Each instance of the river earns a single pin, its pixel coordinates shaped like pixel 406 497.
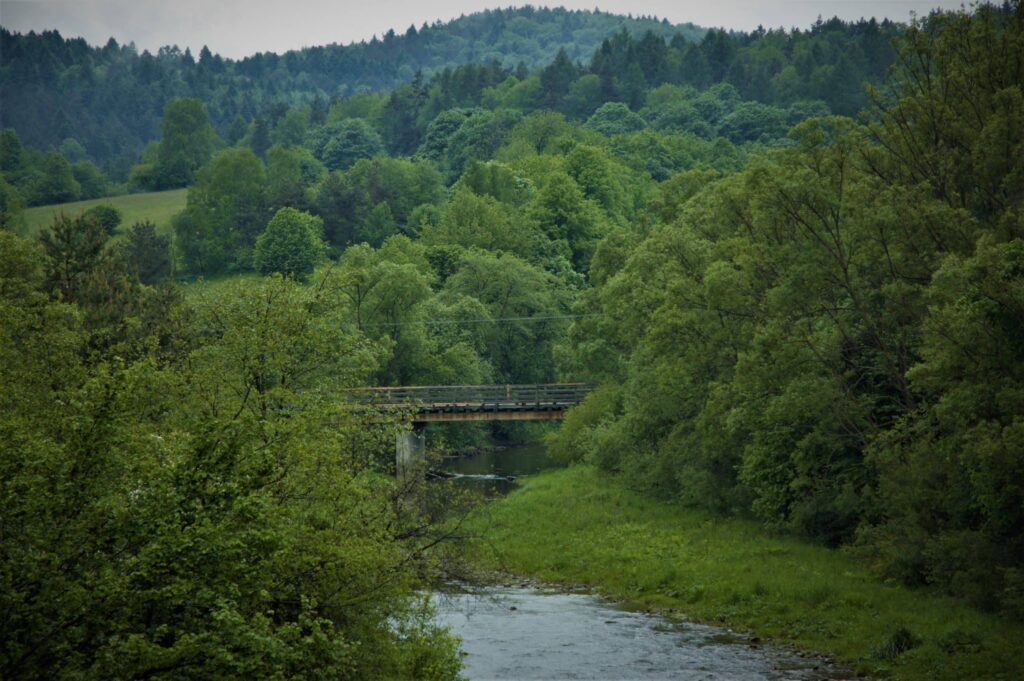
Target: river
pixel 495 471
pixel 511 632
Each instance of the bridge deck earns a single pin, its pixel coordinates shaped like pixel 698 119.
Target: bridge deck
pixel 431 404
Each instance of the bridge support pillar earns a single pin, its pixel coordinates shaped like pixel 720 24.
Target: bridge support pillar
pixel 410 451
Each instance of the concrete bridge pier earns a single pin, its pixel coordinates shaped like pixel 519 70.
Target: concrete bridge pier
pixel 410 451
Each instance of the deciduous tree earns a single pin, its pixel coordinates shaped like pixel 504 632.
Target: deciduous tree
pixel 292 244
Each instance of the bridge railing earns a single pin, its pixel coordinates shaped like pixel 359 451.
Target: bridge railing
pixel 523 394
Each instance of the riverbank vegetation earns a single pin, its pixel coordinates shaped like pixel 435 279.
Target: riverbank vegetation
pixel 830 339
pixel 581 527
pixel 795 317
pixel 185 493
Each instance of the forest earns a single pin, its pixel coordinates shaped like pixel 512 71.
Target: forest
pixel 104 104
pixel 792 261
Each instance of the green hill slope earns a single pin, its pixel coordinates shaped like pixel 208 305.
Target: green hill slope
pixel 157 207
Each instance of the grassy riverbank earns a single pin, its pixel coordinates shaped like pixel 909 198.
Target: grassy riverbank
pixel 578 526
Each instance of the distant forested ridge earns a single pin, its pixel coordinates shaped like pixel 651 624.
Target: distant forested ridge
pixel 110 99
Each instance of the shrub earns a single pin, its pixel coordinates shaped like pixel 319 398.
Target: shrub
pixel 292 244
pixel 108 217
pixel 898 642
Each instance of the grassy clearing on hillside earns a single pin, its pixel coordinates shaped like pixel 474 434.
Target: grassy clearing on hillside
pixel 578 526
pixel 157 207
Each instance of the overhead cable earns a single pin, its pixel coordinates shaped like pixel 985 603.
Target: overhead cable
pixel 441 322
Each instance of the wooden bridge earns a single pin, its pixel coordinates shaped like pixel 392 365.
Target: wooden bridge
pixel 447 403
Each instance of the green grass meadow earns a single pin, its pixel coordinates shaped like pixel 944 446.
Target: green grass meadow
pixel 578 526
pixel 157 207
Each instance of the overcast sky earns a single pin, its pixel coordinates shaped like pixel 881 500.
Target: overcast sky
pixel 236 28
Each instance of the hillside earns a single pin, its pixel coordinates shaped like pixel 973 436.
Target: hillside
pixel 157 207
pixel 744 87
pixel 111 98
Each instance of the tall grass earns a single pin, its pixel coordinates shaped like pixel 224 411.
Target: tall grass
pixel 578 526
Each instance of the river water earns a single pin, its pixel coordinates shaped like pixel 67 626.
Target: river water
pixel 495 471
pixel 524 633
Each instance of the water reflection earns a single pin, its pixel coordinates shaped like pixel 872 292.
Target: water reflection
pixel 494 471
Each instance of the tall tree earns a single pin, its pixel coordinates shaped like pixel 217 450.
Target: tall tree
pixel 148 253
pixel 74 247
pixel 56 183
pixel 187 142
pixel 226 212
pixel 556 79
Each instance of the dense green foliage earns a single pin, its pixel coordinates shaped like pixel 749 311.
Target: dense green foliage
pixel 291 245
pixel 793 316
pixel 177 500
pixel 108 216
pixel 108 100
pixel 148 253
pixel 830 339
pixel 227 210
pixel 32 178
pixel 766 81
pixel 187 142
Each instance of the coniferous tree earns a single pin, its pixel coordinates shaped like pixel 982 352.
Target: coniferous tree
pixel 187 142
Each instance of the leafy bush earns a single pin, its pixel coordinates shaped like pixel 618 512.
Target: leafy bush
pixel 108 217
pixel 208 515
pixel 291 245
pixel 574 440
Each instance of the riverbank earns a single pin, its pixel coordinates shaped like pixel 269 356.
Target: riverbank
pixel 576 526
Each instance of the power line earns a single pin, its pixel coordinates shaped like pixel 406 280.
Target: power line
pixel 441 322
